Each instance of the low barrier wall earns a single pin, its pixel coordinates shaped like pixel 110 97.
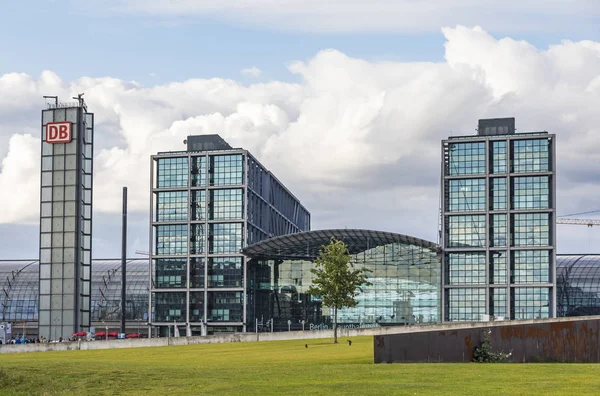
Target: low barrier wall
pixel 555 340
pixel 343 334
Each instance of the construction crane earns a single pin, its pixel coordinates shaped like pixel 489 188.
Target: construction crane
pixel 587 222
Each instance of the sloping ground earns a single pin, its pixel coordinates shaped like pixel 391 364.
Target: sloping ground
pixel 277 368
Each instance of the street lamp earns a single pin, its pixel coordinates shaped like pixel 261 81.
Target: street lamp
pixel 105 330
pixel 56 322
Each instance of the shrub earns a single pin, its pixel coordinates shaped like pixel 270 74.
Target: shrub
pixel 484 352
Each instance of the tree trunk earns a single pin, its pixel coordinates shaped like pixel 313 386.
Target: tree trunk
pixel 335 325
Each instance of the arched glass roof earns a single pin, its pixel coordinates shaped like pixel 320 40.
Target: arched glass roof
pixel 306 245
pixel 19 288
pixel 578 285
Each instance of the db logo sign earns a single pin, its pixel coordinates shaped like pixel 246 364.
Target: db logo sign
pixel 58 132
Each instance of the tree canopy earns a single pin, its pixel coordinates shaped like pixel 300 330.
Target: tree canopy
pixel 337 283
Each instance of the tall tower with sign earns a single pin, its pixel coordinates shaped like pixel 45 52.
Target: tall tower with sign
pixel 67 133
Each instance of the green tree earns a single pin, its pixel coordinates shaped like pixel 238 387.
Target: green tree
pixel 336 281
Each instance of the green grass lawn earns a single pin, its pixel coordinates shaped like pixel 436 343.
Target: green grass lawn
pixel 278 368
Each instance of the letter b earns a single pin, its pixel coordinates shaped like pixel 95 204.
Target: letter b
pixel 63 132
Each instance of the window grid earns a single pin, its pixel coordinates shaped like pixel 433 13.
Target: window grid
pixel 171 239
pixel 466 231
pixel 466 195
pixel 225 238
pixel 531 229
pixel 498 267
pixel 499 157
pixel 465 304
pixel 530 155
pixel 172 206
pixel 226 170
pixel 530 302
pixel 226 204
pixel 196 306
pixel 197 272
pixel 530 266
pixel 498 230
pixel 531 192
pixel 225 306
pixel 170 273
pixel 197 238
pixel 198 205
pixel 465 268
pixel 172 172
pixel 225 272
pixel 498 298
pixel 198 172
pixel 169 307
pixel 499 193
pixel 466 158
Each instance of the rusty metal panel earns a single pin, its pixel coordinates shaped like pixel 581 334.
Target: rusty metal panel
pixel 573 341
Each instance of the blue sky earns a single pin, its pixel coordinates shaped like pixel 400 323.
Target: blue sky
pixel 156 48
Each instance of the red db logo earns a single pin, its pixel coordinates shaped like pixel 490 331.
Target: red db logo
pixel 58 132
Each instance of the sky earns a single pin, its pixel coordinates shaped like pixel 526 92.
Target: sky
pixel 345 101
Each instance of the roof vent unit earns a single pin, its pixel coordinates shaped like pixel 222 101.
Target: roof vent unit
pixel 496 126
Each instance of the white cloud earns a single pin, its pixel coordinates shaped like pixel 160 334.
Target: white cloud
pixel 381 15
pixel 252 72
pixel 358 142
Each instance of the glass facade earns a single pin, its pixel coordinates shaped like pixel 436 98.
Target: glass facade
pixel 226 204
pixel 466 195
pixel 172 172
pixel 227 170
pixel 172 206
pixel 498 267
pixel 466 231
pixel 509 178
pixel 19 284
pixel 201 220
pixel 498 230
pixel 225 238
pixel 530 155
pixel 225 272
pixel 170 273
pixel 498 299
pixel 498 192
pixel 530 266
pixel 465 304
pixel 499 157
pixel 171 240
pixel 531 192
pixel 578 291
pixel 531 229
pixel 530 302
pixel 405 279
pixel 465 268
pixel 466 158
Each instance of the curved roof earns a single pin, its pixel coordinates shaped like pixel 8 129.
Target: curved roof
pixel 578 266
pixel 306 245
pixel 19 288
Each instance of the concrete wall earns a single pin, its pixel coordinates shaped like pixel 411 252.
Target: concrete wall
pixel 550 340
pixel 215 339
pixel 383 335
